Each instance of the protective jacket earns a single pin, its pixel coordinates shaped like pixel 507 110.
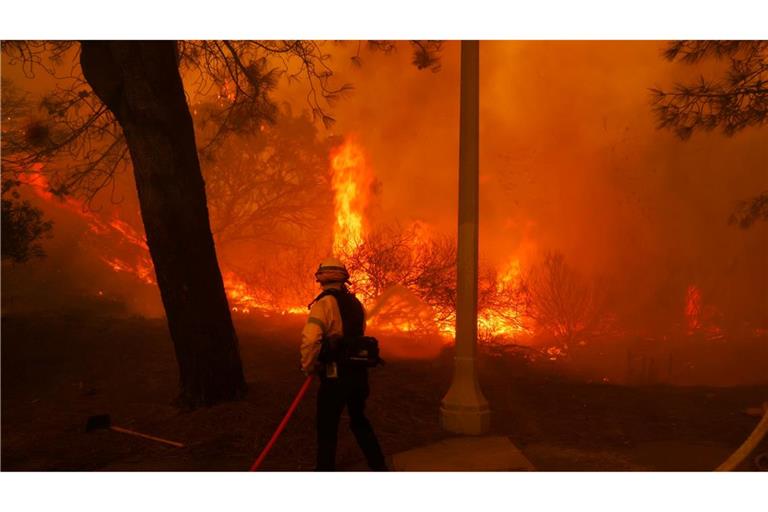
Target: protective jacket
pixel 324 322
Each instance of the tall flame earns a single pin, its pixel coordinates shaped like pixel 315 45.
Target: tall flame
pixel 350 180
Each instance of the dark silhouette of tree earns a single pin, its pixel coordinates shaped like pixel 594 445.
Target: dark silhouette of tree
pixel 564 302
pixel 23 226
pixel 426 54
pixel 751 210
pixel 732 102
pixel 139 83
pixel 735 101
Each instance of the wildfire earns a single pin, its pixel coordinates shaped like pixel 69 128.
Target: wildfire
pixel 351 181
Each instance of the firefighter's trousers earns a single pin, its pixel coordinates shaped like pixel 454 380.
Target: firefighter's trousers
pixel 350 390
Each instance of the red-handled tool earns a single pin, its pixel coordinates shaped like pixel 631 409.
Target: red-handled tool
pixel 303 391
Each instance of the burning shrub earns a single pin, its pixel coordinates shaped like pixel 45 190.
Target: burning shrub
pixel 410 258
pixel 503 301
pixel 409 265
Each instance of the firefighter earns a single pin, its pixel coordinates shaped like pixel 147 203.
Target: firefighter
pixel 336 312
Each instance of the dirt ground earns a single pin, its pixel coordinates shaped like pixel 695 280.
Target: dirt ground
pixel 57 370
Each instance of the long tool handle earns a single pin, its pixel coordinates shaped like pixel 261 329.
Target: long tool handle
pixel 146 436
pixel 283 423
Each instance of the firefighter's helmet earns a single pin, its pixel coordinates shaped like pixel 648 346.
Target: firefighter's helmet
pixel 331 270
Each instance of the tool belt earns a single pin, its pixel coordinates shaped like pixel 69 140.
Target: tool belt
pixel 350 351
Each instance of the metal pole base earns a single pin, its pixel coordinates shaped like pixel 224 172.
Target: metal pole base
pixel 464 409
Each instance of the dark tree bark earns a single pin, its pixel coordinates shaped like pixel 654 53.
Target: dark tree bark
pixel 140 83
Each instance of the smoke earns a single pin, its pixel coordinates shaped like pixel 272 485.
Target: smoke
pixel 571 161
pixel 76 276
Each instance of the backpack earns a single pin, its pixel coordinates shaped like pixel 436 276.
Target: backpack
pixel 353 348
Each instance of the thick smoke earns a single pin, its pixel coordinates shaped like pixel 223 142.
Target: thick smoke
pixel 571 161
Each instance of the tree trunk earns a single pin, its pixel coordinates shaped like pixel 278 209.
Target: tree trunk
pixel 140 83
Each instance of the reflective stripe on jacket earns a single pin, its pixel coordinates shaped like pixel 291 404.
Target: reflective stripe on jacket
pixel 324 320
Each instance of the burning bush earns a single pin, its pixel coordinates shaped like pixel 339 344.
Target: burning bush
pixel 503 302
pixel 410 264
pixel 393 255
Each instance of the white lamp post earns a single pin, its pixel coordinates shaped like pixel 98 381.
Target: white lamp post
pixel 464 409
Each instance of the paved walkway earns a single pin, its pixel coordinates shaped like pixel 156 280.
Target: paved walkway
pixel 496 453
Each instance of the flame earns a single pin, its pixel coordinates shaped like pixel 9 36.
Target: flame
pixel 554 352
pixel 693 308
pixel 227 92
pixel 504 322
pixel 39 184
pixel 349 177
pixel 143 269
pixel 244 298
pixel 511 275
pixel 700 317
